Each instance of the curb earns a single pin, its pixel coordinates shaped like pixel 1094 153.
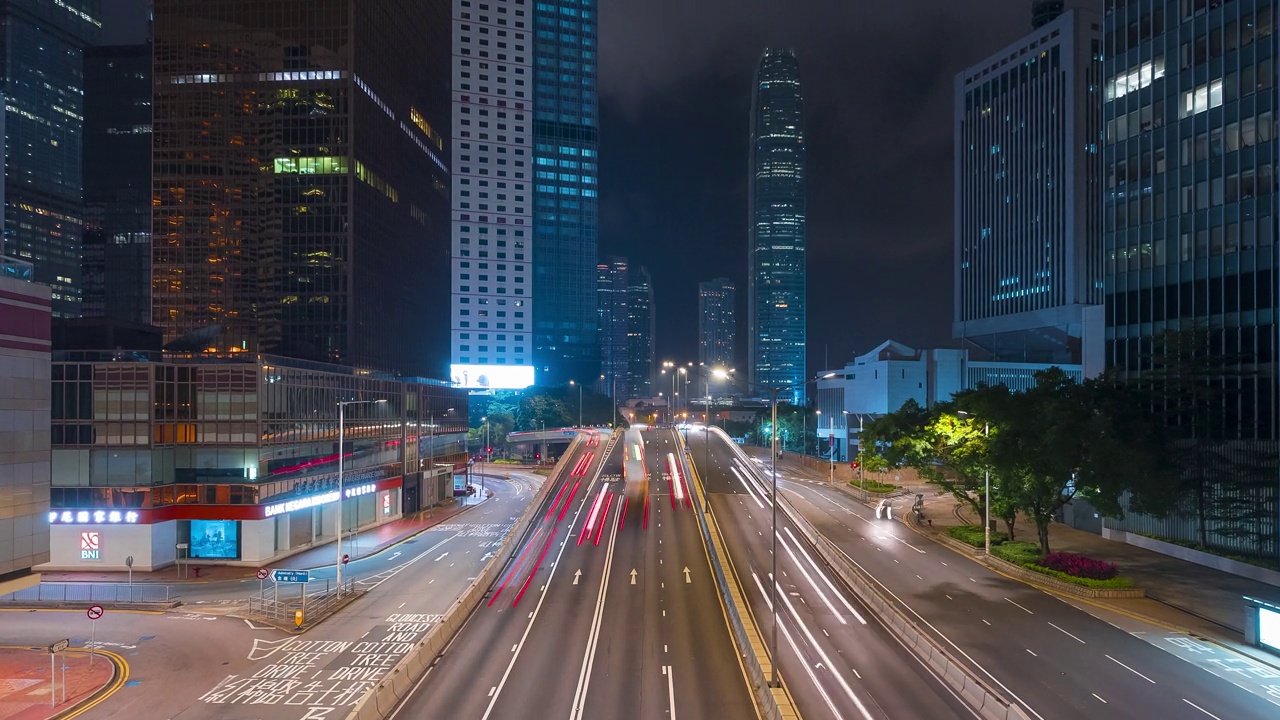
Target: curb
pixel 385 548
pixel 119 675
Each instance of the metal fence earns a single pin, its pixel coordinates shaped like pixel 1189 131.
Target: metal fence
pixel 279 602
pixel 93 592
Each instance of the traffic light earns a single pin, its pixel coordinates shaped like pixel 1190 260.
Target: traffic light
pixel 854 465
pixel 490 450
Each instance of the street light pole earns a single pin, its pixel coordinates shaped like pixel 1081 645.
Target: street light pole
pixel 986 525
pixel 342 417
pixel 773 586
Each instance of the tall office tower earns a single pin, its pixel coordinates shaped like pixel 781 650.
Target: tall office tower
pixel 1028 261
pixel 42 79
pixel 776 251
pixel 640 320
pixel 116 265
pixel 301 180
pixel 566 218
pixel 612 289
pixel 493 239
pixel 1190 238
pixel 717 322
pixel 1044 12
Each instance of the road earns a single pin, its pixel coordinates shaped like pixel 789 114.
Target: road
pixel 837 659
pixel 203 665
pixel 608 611
pixel 1055 659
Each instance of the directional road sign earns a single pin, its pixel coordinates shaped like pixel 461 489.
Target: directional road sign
pixel 291 576
pixel 59 646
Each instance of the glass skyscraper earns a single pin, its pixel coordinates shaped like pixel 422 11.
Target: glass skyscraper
pixel 1190 111
pixel 640 325
pixel 301 181
pixel 42 80
pixel 717 322
pixel 776 250
pixel 612 287
pixel 566 214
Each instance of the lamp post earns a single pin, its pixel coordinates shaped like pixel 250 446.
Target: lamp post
pixel 342 419
pixel 571 382
pixel 484 459
pixel 986 497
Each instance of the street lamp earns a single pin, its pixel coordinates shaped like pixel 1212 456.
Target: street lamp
pixel 342 419
pixel 484 459
pixel 986 497
pixel 571 382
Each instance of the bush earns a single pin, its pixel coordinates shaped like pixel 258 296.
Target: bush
pixel 1115 583
pixel 973 535
pixel 874 486
pixel 1081 566
pixel 1020 553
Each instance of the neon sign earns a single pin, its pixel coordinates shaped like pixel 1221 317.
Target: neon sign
pixel 301 503
pixel 114 517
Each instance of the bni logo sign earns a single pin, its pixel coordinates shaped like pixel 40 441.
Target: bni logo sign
pixel 89 545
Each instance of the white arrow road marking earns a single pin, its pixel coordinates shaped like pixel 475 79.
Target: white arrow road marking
pixel 686 576
pixel 633 576
pixel 576 576
pixel 441 557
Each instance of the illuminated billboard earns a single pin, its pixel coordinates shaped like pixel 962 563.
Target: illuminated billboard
pixel 1269 628
pixel 215 539
pixel 492 377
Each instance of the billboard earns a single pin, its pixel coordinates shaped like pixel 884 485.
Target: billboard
pixel 215 539
pixel 1269 628
pixel 492 377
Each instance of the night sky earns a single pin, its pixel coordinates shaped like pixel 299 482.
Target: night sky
pixel 877 77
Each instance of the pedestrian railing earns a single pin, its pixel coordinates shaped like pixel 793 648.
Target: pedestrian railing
pixel 317 599
pixel 68 592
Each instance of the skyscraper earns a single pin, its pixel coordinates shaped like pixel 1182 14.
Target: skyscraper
pixel 640 323
pixel 612 287
pixel 717 322
pixel 301 181
pixel 42 80
pixel 524 207
pixel 1190 207
pixel 1028 258
pixel 117 183
pixel 566 215
pixel 776 250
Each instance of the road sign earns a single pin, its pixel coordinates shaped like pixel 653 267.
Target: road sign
pixel 128 562
pixel 345 558
pixel 59 646
pixel 291 576
pixel 831 439
pixel 94 612
pixel 263 573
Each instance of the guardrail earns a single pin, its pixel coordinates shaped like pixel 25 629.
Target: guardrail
pixel 54 592
pixel 315 605
pixel 772 703
pixel 380 702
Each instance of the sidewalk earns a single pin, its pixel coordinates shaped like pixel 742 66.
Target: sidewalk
pixel 24 682
pixel 1191 598
pixel 365 543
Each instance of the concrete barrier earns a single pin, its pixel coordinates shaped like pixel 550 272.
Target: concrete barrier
pixel 380 702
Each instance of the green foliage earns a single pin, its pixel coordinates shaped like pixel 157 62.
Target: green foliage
pixel 1119 582
pixel 874 486
pixel 973 535
pixel 1260 562
pixel 1018 552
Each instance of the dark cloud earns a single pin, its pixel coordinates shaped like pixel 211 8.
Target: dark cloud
pixel 878 80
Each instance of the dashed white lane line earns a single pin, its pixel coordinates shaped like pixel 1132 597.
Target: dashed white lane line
pixel 1206 712
pixel 1020 607
pixel 1135 672
pixel 1032 653
pixel 1104 702
pixel 1064 632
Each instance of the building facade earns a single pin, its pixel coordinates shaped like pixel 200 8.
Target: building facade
pixel 566 203
pixel 612 283
pixel 310 220
pixel 236 457
pixel 116 265
pixel 1028 258
pixel 525 212
pixel 42 79
pixel 776 248
pixel 1190 236
pixel 717 322
pixel 881 381
pixel 640 326
pixel 25 313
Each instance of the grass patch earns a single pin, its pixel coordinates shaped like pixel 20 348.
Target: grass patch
pixel 501 461
pixel 545 472
pixel 1018 552
pixel 973 535
pixel 1027 555
pixel 874 486
pixel 1260 562
pixel 1118 582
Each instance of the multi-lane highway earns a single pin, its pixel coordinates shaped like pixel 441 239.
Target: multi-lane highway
pixel 837 659
pixel 608 610
pixel 1054 659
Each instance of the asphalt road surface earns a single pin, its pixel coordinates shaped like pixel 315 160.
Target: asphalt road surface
pixel 1055 659
pixel 609 611
pixel 837 659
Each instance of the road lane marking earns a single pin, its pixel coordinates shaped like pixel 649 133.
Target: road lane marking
pixel 1135 672
pixel 796 649
pixel 1021 608
pixel 822 575
pixel 1032 653
pixel 492 690
pixel 593 637
pixel 1206 712
pixel 671 691
pixel 1104 702
pixel 1073 637
pixel 986 622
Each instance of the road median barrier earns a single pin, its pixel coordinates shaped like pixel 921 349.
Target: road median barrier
pixel 382 701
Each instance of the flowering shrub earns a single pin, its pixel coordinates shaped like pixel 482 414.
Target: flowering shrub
pixel 1079 566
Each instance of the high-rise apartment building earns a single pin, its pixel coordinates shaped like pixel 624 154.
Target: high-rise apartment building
pixel 1028 261
pixel 524 204
pixel 116 265
pixel 640 325
pixel 776 248
pixel 717 322
pixel 301 179
pixel 612 285
pixel 42 79
pixel 1190 111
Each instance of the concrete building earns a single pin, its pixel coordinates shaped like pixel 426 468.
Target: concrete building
pixel 717 323
pixel 1028 257
pixel 881 381
pixel 613 279
pixel 25 312
pixel 640 334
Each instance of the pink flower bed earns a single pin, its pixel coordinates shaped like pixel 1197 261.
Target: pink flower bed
pixel 1080 566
